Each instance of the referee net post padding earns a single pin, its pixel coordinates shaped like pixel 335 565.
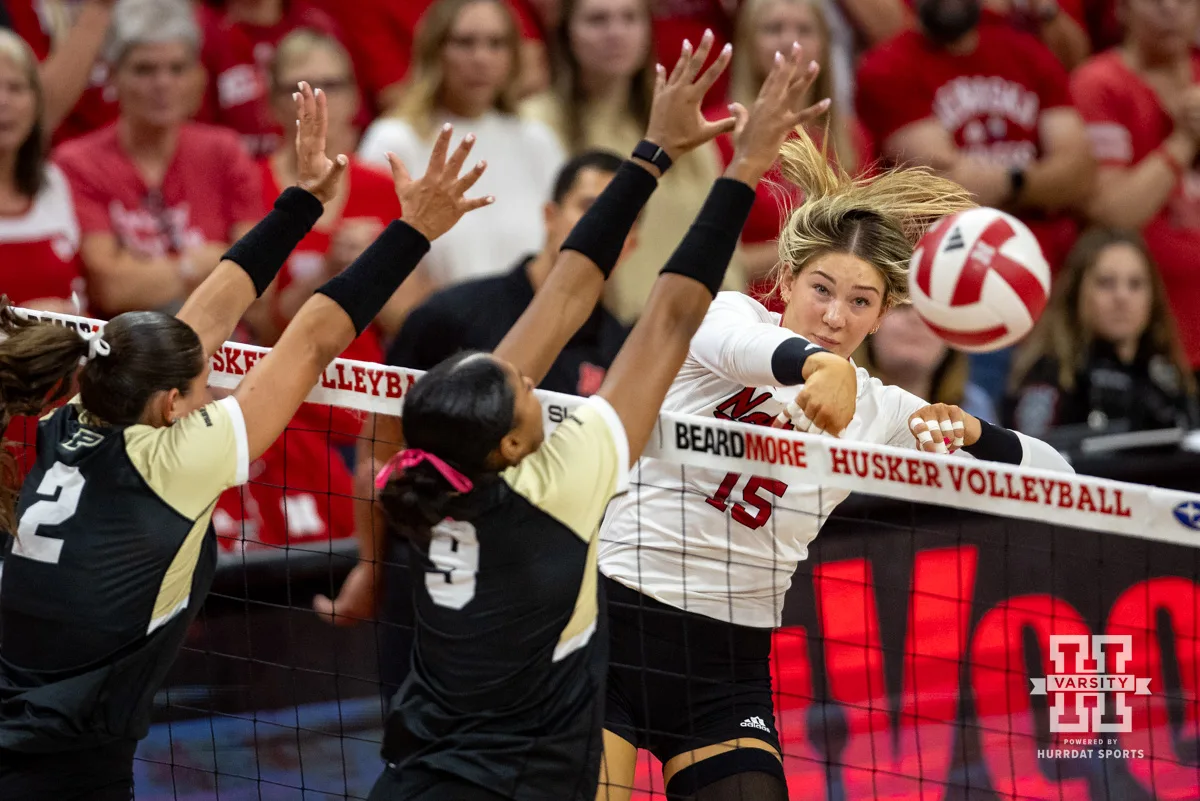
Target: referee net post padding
pixel 959 629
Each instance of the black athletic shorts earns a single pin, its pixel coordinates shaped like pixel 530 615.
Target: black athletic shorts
pixel 678 681
pixel 97 774
pixel 415 784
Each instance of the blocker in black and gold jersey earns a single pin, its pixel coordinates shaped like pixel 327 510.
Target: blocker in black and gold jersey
pixel 509 663
pixel 113 558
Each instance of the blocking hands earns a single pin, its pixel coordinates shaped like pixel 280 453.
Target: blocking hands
pixel 677 124
pixel 435 202
pixel 942 428
pixel 779 108
pixel 316 172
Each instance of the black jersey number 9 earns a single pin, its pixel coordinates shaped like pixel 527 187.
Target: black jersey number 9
pixel 63 484
pixel 454 551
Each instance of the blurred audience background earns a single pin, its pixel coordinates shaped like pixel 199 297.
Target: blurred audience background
pixel 138 138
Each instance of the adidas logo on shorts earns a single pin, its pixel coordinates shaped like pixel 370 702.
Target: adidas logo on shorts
pixel 756 723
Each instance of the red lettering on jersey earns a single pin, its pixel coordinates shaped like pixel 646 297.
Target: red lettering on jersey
pixel 740 407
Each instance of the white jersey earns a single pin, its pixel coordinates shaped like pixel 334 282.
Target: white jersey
pixel 722 544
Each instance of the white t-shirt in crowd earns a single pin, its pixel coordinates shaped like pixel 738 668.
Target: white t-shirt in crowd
pixel 523 158
pixel 723 545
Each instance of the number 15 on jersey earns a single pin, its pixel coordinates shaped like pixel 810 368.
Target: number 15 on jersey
pixel 752 498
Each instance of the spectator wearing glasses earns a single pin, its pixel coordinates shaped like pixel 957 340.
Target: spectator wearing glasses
pixel 158 198
pixel 465 72
pixel 239 43
pixel 1105 352
pixel 1141 102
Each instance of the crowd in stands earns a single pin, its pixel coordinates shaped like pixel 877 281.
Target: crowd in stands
pixel 139 138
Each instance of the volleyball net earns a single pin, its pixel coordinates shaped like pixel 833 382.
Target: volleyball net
pixel 960 629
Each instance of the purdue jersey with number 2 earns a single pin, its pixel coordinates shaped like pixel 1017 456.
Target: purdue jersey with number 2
pixel 112 559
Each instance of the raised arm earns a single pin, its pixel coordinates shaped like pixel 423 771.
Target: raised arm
pixel 345 305
pixel 642 373
pixel 249 267
pixel 570 293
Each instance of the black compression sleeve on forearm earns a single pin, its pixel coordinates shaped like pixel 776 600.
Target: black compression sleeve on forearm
pixel 600 234
pixel 996 444
pixel 708 246
pixel 363 288
pixel 266 246
pixel 787 362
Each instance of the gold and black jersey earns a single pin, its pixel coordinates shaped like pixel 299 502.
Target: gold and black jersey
pixel 510 653
pixel 112 559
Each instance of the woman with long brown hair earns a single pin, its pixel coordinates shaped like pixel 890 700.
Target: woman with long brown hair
pixel 465 72
pixel 600 99
pixel 1106 350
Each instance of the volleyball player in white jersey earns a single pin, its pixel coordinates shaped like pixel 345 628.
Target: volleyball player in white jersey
pixel 698 562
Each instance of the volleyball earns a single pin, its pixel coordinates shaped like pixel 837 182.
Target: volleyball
pixel 979 279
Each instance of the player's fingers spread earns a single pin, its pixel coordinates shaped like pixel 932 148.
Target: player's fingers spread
pixel 463 184
pixel 459 158
pixel 470 204
pixel 400 175
pixel 812 112
pixel 441 145
pixel 685 55
pixel 701 55
pixel 715 69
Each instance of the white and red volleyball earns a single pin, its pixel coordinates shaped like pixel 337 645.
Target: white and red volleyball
pixel 979 279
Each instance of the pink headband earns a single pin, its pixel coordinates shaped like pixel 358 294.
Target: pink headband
pixel 413 457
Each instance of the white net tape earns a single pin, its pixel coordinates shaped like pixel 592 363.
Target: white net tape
pixel 954 481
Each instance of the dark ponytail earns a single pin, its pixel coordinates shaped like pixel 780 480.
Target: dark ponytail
pixel 459 411
pixel 37 364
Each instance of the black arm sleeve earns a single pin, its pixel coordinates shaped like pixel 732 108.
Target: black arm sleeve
pixel 265 247
pixel 787 362
pixel 997 444
pixel 365 286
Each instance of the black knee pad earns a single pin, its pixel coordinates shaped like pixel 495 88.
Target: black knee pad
pixel 742 774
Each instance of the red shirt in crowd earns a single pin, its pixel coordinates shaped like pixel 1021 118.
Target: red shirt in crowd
pixel 370 195
pixel 1126 123
pixel 39 259
pixel 676 20
pixel 299 490
pixel 990 100
pixel 237 57
pixel 98 105
pixel 210 186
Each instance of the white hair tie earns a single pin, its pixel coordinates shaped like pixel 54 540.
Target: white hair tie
pixel 97 346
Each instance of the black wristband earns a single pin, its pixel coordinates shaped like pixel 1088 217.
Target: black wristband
pixel 600 233
pixel 648 151
pixel 787 362
pixel 363 288
pixel 265 247
pixel 708 246
pixel 996 444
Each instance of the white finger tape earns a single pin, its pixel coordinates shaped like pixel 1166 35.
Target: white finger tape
pixel 947 426
pixel 916 423
pixel 932 424
pixel 959 425
pixel 924 437
pixel 802 422
pixel 958 442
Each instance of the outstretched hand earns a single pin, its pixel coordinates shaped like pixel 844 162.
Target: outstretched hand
pixel 777 111
pixel 433 203
pixel 676 122
pixel 316 172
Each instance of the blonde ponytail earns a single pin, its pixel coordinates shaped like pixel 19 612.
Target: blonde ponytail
pixel 878 218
